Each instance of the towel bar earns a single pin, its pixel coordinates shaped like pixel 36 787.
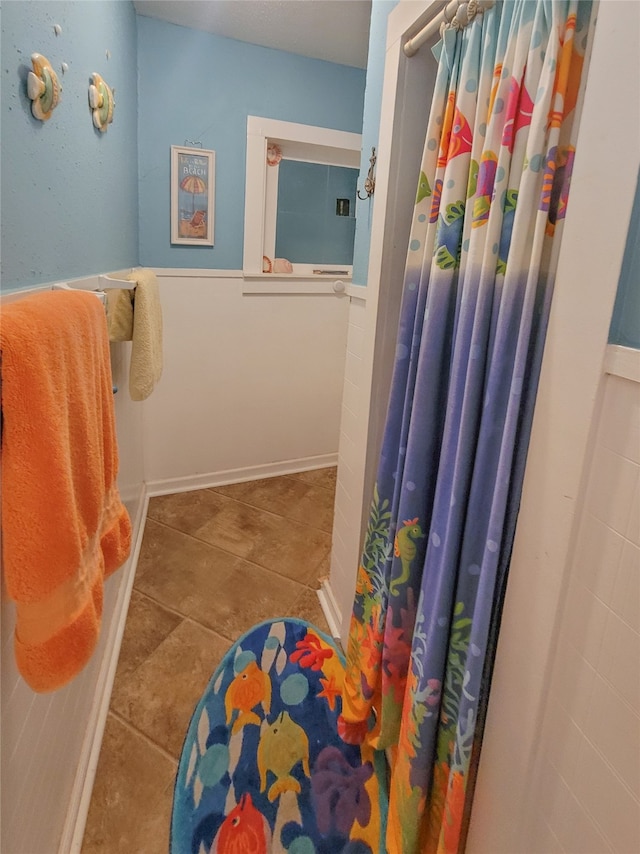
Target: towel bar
pixel 112 282
pixel 63 286
pixel 100 282
pixel 96 285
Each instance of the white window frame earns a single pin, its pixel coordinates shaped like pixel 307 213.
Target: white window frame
pixel 298 142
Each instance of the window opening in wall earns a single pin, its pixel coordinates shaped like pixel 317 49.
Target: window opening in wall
pixel 300 204
pixel 313 225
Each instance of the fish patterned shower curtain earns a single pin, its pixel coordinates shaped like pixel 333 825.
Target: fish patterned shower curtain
pixel 491 196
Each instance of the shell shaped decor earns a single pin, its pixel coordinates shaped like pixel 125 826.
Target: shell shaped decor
pixel 274 154
pixel 101 101
pixel 42 87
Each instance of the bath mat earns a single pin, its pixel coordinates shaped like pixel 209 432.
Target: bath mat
pixel 263 769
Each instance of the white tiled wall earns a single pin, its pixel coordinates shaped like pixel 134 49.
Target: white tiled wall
pixel 588 789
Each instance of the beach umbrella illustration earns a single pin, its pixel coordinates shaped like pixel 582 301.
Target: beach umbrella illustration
pixel 194 185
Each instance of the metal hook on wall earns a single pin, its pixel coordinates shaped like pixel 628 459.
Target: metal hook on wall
pixel 370 181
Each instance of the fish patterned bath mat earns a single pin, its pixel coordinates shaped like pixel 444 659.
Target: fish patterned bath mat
pixel 263 768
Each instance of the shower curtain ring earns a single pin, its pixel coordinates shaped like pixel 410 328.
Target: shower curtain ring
pixel 448 21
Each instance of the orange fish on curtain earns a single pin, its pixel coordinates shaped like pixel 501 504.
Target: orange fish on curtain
pixel 457 136
pixel 557 182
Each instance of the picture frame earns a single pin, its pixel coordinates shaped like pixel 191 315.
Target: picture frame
pixel 192 195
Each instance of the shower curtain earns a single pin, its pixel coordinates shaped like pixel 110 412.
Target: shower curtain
pixel 491 195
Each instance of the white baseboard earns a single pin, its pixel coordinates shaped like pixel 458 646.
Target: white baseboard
pixel 330 608
pixel 221 478
pixel 73 831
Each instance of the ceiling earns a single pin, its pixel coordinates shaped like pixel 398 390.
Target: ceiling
pixel 333 30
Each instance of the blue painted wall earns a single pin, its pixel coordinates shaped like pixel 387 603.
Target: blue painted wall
pixel 625 323
pixel 370 128
pixel 198 86
pixel 69 193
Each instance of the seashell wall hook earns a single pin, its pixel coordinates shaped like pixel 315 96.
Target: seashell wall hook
pixel 274 154
pixel 101 102
pixel 42 87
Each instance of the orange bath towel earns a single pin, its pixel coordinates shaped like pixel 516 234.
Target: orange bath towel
pixel 64 528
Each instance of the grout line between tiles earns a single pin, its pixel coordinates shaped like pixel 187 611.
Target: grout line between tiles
pixel 191 619
pixel 207 629
pixel 187 618
pixel 144 737
pixel 183 618
pixel 238 557
pixel 165 607
pixel 254 507
pixel 128 674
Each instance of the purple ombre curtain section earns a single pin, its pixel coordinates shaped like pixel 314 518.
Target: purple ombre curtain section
pixel 477 289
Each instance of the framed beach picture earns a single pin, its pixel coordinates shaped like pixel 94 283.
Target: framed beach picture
pixel 192 195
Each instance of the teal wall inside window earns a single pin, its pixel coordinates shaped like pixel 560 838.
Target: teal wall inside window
pixel 308 229
pixel 625 323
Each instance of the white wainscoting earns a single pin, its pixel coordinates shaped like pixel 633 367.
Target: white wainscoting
pixel 252 387
pixel 50 742
pixel 252 383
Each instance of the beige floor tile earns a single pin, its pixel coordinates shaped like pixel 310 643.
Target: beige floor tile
pixel 159 697
pixel 170 550
pixel 321 572
pixel 250 595
pixel 271 541
pixel 148 624
pixel 287 496
pixel 212 587
pixel 185 511
pixel 182 573
pixel 130 808
pixel 307 607
pixel 326 477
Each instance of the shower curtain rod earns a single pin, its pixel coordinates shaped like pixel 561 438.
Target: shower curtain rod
pixel 457 14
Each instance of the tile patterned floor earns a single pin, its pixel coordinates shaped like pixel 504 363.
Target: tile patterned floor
pixel 213 563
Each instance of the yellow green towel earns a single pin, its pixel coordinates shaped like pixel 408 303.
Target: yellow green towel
pixel 136 316
pixel 120 314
